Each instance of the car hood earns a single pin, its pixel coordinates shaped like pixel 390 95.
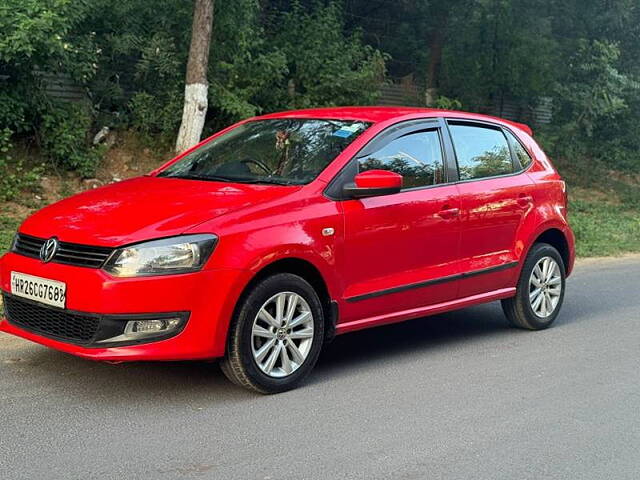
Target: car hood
pixel 144 208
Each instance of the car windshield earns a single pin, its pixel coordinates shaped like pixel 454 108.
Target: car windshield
pixel 281 151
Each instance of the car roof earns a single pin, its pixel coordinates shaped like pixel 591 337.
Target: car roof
pixel 381 114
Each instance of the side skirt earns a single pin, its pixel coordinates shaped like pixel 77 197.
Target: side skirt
pixel 424 311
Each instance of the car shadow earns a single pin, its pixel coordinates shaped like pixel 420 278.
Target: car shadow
pixel 382 344
pixel 198 381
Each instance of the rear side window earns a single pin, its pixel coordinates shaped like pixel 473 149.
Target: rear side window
pixel 521 153
pixel 481 151
pixel 416 156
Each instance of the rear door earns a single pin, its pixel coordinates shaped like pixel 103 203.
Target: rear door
pixel 495 197
pixel 400 249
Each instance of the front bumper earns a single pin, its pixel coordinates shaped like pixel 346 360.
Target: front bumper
pixel 209 296
pixel 85 329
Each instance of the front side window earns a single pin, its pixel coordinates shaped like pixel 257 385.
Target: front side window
pixel 481 151
pixel 416 156
pixel 279 151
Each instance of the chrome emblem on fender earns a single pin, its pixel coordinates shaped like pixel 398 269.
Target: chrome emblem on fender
pixel 49 249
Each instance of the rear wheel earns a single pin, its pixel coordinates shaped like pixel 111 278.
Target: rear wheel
pixel 275 336
pixel 540 290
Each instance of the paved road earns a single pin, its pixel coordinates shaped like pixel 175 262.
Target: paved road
pixel 457 396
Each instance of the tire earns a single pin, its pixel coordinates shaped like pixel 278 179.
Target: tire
pixel 251 360
pixel 525 309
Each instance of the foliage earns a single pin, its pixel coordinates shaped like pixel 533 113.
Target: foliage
pixel 269 55
pixel 446 103
pixel 593 89
pixel 245 68
pixel 41 33
pixel 141 53
pixel 326 66
pixel 149 114
pixel 495 53
pixel 14 177
pixel 13 108
pixel 40 36
pixel 593 101
pixel 64 138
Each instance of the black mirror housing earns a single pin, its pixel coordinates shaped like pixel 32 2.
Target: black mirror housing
pixel 350 190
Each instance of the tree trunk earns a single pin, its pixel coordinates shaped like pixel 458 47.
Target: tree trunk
pixel 436 43
pixel 196 88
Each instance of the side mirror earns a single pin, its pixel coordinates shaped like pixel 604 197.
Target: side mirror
pixel 373 183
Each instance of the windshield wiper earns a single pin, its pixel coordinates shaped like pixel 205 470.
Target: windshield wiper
pixel 270 181
pixel 209 178
pixel 216 178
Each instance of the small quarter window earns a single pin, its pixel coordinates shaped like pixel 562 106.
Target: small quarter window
pixel 481 151
pixel 416 156
pixel 521 153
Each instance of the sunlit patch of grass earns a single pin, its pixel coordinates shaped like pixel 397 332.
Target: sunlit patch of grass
pixel 604 208
pixel 602 228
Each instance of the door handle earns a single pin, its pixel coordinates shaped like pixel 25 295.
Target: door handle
pixel 525 200
pixel 448 213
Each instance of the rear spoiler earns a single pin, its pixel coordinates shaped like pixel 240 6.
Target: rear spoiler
pixel 522 126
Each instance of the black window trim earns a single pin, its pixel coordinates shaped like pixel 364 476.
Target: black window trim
pixel 435 128
pixel 518 170
pixel 333 190
pixel 515 155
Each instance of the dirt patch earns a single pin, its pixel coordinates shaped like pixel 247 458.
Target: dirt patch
pixel 591 195
pixel 632 179
pixel 14 210
pixel 127 157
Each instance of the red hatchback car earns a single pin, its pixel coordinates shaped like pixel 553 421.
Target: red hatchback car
pixel 281 231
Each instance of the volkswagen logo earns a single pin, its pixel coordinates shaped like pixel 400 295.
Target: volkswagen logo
pixel 49 249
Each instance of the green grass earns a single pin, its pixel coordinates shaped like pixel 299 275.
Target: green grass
pixel 604 208
pixel 604 229
pixel 8 228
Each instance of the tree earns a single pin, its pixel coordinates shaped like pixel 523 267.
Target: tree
pixel 196 88
pixel 325 64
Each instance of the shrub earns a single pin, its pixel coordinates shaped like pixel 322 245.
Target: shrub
pixel 14 177
pixel 446 103
pixel 153 114
pixel 64 139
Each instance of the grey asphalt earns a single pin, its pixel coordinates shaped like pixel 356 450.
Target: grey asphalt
pixel 455 396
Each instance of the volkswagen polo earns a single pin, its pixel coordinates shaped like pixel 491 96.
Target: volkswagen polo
pixel 263 242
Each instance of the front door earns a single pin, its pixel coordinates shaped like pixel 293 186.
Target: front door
pixel 399 249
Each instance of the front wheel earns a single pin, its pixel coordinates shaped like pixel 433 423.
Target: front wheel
pixel 275 336
pixel 540 290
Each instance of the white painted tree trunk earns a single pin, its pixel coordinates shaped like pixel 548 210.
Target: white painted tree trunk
pixel 195 91
pixel 193 116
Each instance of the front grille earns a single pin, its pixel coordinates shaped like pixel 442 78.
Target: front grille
pixel 49 321
pixel 68 253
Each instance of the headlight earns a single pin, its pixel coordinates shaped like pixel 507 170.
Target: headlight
pixel 183 254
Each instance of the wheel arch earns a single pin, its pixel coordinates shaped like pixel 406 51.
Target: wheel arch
pixel 558 240
pixel 309 272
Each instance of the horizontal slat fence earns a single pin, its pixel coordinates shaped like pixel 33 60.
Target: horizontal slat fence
pixel 62 87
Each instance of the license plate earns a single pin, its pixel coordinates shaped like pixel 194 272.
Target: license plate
pixel 51 292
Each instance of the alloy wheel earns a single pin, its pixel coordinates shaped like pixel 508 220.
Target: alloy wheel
pixel 545 287
pixel 282 334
